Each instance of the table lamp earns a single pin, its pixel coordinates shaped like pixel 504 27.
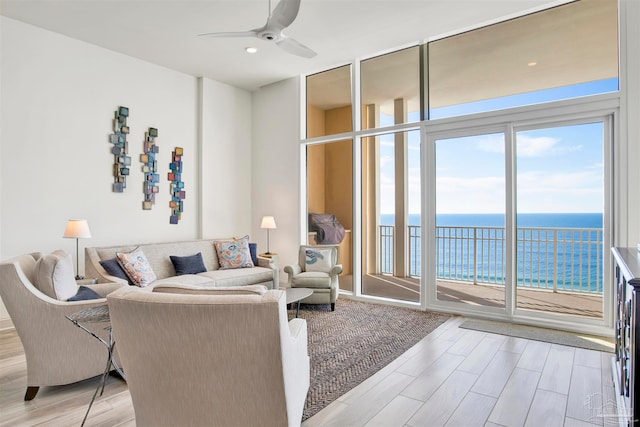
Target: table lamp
pixel 77 229
pixel 268 222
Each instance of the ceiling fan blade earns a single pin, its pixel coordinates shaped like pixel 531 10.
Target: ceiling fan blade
pixel 295 47
pixel 252 33
pixel 283 15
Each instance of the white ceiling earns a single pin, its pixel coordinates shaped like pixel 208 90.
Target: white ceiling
pixel 164 32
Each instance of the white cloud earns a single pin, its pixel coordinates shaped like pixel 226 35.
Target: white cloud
pixel 490 143
pixel 535 147
pixel 526 146
pixel 470 195
pixel 540 191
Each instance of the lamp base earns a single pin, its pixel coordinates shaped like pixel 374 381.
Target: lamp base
pixel 79 277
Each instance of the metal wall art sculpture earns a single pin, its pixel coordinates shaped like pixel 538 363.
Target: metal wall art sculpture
pixel 121 162
pixel 176 186
pixel 150 168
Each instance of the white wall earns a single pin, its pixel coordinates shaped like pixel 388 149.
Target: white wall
pixel 275 168
pixel 59 97
pixel 58 100
pixel 226 160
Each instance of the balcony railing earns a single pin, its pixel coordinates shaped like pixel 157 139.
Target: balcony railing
pixel 567 259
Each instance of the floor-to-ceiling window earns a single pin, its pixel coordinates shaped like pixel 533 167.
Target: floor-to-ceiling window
pixel 390 178
pixel 519 215
pixel 456 146
pixel 329 171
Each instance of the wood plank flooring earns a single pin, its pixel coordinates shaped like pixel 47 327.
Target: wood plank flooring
pixel 453 377
pixel 458 377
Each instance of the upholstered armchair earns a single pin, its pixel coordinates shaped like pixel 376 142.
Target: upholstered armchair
pixel 211 356
pixel 318 270
pixel 57 352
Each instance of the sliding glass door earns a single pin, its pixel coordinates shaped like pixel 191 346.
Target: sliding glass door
pixel 518 225
pixel 470 219
pixel 560 219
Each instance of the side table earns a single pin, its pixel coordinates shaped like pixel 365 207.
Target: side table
pixel 97 314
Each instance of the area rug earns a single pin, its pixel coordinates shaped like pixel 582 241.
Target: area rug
pixel 355 341
pixel 570 339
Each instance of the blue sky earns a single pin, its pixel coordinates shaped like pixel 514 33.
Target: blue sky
pixel 558 169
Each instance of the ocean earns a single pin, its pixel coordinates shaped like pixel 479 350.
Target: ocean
pixel 564 250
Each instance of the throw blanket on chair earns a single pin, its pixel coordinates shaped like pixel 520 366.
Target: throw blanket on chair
pixel 328 229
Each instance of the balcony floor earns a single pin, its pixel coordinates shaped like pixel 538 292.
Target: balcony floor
pixel 408 289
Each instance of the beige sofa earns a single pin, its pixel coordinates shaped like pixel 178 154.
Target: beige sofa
pixel 158 254
pixel 251 369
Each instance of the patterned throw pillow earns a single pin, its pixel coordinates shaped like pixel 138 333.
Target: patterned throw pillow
pixel 234 253
pixel 318 260
pixel 137 267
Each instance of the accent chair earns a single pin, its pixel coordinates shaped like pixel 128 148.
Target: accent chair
pixel 57 352
pixel 318 270
pixel 217 356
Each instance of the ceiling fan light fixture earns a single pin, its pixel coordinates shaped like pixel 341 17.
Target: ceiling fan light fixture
pixel 282 16
pixel 251 49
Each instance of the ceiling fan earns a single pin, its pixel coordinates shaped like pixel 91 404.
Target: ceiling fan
pixel 282 16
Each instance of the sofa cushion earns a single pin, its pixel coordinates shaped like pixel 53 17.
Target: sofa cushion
pixel 313 279
pixel 137 267
pixel 234 253
pixel 54 275
pixel 112 266
pixel 233 290
pixel 318 260
pixel 186 279
pixel 84 294
pixel 240 276
pixel 192 264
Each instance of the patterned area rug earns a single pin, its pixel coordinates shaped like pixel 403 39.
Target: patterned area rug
pixel 350 344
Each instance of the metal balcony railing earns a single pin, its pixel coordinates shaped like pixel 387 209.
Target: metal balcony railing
pixel 567 259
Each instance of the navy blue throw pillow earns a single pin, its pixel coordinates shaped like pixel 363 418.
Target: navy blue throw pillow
pixel 253 249
pixel 84 294
pixel 113 268
pixel 188 264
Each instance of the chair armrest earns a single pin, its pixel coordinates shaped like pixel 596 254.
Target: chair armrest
pixel 272 264
pixel 298 333
pixel 293 269
pixel 104 289
pixel 297 326
pixel 335 270
pixel 266 262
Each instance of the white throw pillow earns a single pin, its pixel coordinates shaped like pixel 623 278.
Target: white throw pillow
pixel 318 260
pixel 55 277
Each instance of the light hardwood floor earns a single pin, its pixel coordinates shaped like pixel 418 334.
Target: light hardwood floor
pixel 459 377
pixel 453 377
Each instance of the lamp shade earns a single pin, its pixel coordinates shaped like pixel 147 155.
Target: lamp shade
pixel 268 222
pixel 77 229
